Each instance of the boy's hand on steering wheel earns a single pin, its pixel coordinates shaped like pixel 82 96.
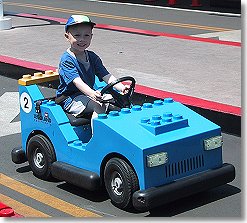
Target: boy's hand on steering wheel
pixel 96 96
pixel 125 89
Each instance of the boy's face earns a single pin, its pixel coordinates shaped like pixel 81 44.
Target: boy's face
pixel 79 37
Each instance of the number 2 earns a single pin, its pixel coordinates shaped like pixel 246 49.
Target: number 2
pixel 26 102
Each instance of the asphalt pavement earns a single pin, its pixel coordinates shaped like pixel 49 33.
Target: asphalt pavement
pixel 209 71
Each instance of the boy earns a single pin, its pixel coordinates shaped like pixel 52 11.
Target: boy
pixel 77 70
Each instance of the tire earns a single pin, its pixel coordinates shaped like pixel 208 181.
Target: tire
pixel 120 182
pixel 41 155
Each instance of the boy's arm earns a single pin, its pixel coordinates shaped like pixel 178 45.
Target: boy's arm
pixel 120 87
pixel 84 88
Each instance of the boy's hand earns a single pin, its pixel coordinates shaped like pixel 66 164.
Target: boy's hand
pixel 125 89
pixel 96 96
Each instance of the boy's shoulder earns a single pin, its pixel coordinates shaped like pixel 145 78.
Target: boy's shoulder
pixel 92 55
pixel 66 55
pixel 67 60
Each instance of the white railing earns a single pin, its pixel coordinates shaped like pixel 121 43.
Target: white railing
pixel 1 9
pixel 5 23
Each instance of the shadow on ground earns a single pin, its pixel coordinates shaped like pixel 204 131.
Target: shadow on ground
pixel 195 201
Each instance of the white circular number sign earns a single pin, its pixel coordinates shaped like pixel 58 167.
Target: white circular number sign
pixel 26 102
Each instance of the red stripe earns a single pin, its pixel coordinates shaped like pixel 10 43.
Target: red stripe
pixel 188 100
pixel 193 101
pixel 24 63
pixel 43 17
pixel 170 35
pixel 141 31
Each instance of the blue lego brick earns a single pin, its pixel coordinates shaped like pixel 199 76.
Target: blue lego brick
pixel 52 107
pixel 158 124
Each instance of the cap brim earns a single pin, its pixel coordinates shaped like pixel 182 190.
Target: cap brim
pixel 76 23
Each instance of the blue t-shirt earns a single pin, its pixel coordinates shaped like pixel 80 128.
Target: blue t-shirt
pixel 70 68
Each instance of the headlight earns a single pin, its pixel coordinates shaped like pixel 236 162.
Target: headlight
pixel 157 159
pixel 213 143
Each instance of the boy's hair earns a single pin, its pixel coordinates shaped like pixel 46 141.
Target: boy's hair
pixel 78 19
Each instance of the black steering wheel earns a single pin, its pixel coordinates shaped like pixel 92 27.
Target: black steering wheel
pixel 119 100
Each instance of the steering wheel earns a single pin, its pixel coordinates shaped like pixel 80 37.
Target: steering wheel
pixel 119 100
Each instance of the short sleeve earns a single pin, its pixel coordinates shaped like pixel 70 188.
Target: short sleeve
pixel 68 70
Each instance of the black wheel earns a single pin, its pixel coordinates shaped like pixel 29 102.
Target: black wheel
pixel 120 182
pixel 41 155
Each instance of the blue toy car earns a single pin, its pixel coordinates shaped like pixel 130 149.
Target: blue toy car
pixel 144 155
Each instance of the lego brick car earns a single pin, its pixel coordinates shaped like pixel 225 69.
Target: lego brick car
pixel 144 155
pixel 6 212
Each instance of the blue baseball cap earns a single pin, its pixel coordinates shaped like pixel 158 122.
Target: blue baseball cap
pixel 77 19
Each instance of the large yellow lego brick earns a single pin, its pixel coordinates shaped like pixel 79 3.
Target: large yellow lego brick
pixel 38 78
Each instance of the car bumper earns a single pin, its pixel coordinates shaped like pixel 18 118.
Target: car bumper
pixel 144 200
pixel 18 155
